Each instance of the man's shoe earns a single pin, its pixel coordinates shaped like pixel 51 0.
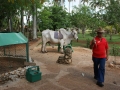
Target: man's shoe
pixel 100 84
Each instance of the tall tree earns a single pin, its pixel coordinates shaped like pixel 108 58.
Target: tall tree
pixel 35 4
pixel 34 21
pixel 44 20
pixel 8 10
pixel 112 14
pixel 82 15
pixel 59 17
pixel 97 6
pixel 70 5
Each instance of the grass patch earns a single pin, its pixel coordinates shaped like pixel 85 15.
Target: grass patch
pixel 115 42
pixel 115 38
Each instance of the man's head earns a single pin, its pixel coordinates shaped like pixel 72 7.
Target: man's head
pixel 100 32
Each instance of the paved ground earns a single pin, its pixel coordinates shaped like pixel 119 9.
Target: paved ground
pixel 76 76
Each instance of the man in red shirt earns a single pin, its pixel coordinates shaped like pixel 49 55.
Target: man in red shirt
pixel 99 48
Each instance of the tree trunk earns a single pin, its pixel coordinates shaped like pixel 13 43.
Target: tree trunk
pixel 69 6
pixel 78 30
pixel 22 21
pixel 79 2
pixel 10 24
pixel 62 3
pixel 110 36
pixel 83 32
pixel 111 32
pixel 34 22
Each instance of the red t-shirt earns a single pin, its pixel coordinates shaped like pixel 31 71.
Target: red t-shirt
pixel 99 49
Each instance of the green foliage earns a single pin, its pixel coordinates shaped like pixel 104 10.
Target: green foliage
pixel 112 12
pixel 88 43
pixel 59 17
pixel 115 50
pixel 44 19
pixel 53 17
pixel 12 8
pixel 81 16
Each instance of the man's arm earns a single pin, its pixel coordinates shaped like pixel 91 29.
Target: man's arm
pixel 107 53
pixel 92 44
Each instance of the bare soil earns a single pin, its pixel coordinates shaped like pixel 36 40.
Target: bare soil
pixel 75 76
pixel 8 64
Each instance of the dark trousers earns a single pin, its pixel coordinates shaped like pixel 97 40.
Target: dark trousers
pixel 99 68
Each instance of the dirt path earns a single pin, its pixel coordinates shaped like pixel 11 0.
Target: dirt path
pixel 76 76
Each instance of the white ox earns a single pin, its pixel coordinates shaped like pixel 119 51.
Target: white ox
pixel 48 36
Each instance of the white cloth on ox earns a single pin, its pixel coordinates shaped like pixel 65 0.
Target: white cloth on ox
pixel 58 35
